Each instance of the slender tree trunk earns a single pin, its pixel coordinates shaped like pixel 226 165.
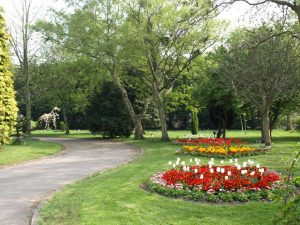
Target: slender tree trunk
pixel 224 125
pixel 161 113
pixel 135 118
pixel 27 92
pixel 289 125
pixel 242 126
pixel 67 128
pixel 266 128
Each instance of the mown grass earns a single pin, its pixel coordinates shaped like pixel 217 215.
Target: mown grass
pixel 59 133
pixel 115 197
pixel 32 149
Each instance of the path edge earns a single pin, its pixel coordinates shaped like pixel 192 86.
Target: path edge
pixel 34 215
pixel 63 151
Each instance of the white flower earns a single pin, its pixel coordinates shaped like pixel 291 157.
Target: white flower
pixel 212 159
pixel 226 177
pixel 191 160
pixel 201 176
pixel 244 164
pixel 174 165
pixel 257 165
pixel 196 170
pixel 222 170
pixel 183 163
pixel 229 173
pixel 178 159
pixel 184 168
pixel 222 161
pixel 187 168
pixel 231 161
pixel 243 172
pixel 218 169
pixel 197 163
pixel 177 163
pixel 235 160
pixel 211 170
pixel 238 167
pixel 170 163
pixel 252 173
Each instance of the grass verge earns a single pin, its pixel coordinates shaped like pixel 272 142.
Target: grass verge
pixel 34 149
pixel 115 197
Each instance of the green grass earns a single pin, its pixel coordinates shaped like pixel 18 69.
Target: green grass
pixel 115 197
pixel 34 149
pixel 58 133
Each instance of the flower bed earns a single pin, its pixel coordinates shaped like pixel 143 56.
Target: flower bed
pixel 208 141
pixel 217 147
pixel 224 183
pixel 221 151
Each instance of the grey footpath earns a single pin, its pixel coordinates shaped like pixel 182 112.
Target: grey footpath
pixel 23 187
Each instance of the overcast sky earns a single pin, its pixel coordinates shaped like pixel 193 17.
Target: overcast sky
pixel 235 14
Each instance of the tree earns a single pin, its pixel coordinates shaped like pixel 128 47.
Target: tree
pixel 8 105
pixel 22 34
pixel 290 4
pixel 95 29
pixel 262 74
pixel 106 113
pixel 211 93
pixel 66 84
pixel 170 35
pixel 195 122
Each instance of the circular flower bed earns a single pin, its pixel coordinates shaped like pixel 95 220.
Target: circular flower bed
pixel 225 183
pixel 217 147
pixel 221 151
pixel 208 141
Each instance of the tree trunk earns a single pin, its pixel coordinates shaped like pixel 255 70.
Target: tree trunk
pixel 161 113
pixel 135 118
pixel 67 128
pixel 138 129
pixel 27 94
pixel 266 128
pixel 289 125
pixel 241 119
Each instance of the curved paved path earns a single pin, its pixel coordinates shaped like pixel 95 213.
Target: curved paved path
pixel 22 187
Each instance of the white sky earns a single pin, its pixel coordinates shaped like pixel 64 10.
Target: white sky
pixel 234 14
pixel 239 14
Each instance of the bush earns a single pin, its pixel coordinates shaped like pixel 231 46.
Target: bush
pixel 107 113
pixel 62 125
pixel 195 122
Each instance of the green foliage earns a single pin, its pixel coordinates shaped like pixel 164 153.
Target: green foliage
pixel 195 195
pixel 107 114
pixel 62 125
pixel 8 105
pixel 195 122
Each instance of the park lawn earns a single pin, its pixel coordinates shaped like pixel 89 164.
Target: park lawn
pixel 58 133
pixel 115 197
pixel 34 149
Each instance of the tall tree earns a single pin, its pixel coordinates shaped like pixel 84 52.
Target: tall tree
pixel 95 29
pixel 8 105
pixel 170 35
pixel 262 74
pixel 22 34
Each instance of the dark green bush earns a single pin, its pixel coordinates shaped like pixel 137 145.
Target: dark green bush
pixel 107 113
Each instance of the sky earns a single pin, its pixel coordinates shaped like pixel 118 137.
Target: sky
pixel 234 14
pixel 239 14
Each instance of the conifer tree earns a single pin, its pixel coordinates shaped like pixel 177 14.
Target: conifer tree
pixel 8 105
